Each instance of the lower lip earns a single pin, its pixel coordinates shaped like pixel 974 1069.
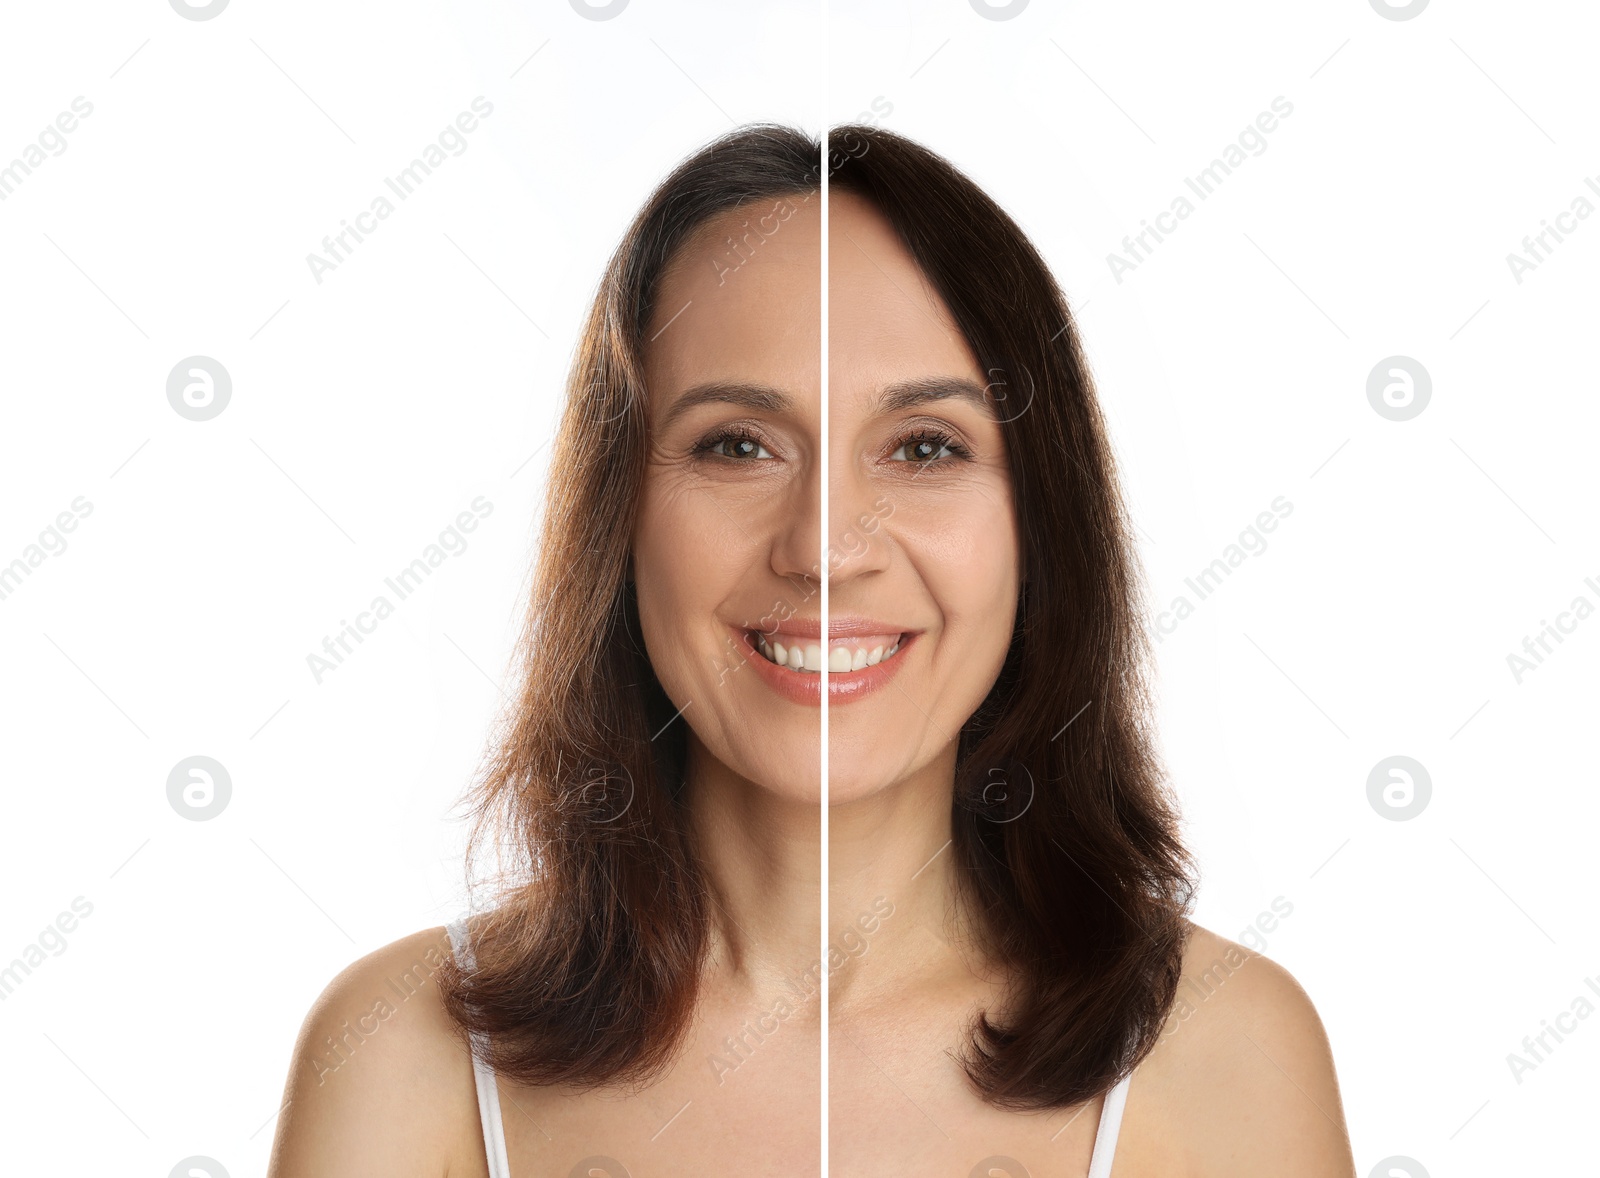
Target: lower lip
pixel 806 687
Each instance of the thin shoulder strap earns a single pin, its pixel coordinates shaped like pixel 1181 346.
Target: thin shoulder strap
pixel 1105 1137
pixel 494 1133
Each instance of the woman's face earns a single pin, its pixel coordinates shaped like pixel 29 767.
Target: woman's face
pixel 927 546
pixel 729 533
pixel 922 536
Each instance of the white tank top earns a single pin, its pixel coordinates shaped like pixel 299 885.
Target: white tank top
pixel 494 1134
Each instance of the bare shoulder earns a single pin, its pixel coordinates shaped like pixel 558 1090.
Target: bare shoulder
pixel 379 1083
pixel 1244 1070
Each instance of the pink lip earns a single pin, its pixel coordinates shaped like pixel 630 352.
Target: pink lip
pixel 842 689
pixel 805 690
pixel 839 626
pixel 856 626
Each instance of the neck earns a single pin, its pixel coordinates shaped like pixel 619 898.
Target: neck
pixel 762 857
pixel 893 909
pixel 893 915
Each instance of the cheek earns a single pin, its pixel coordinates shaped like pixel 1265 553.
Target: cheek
pixel 662 571
pixel 980 583
pixel 685 566
pixel 969 559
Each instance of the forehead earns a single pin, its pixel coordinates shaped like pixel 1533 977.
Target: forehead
pixel 886 323
pixel 741 302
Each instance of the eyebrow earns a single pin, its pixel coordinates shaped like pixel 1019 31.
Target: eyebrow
pixel 908 394
pixel 894 398
pixel 755 397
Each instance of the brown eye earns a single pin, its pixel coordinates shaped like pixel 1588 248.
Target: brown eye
pixel 731 446
pixel 745 448
pixel 925 448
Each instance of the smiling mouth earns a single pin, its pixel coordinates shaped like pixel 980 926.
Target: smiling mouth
pixel 845 658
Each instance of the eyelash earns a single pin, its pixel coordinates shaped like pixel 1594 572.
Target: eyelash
pixel 943 440
pixel 706 446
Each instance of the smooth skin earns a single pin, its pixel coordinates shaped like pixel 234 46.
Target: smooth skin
pixel 1243 1084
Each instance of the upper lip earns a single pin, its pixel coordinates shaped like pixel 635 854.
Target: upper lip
pixel 839 626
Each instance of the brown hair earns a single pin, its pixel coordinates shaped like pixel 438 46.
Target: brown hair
pixel 587 968
pixel 587 971
pixel 1067 845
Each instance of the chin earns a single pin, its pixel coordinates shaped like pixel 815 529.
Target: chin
pixel 788 786
pixel 857 775
pixel 845 786
pixel 795 779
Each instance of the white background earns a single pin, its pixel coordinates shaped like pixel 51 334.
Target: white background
pixel 1233 366
pixel 367 412
pixel 371 408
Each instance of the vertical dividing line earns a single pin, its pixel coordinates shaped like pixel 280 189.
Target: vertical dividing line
pixel 825 615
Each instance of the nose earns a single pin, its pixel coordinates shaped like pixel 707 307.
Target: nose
pixel 857 545
pixel 798 539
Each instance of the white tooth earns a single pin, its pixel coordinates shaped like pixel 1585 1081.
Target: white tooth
pixel 797 658
pixel 813 658
pixel 779 655
pixel 839 659
pixel 859 661
pixel 875 656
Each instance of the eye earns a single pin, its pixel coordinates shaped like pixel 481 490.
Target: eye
pixel 927 447
pixel 731 445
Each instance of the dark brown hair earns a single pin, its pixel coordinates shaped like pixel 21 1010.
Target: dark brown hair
pixel 587 970
pixel 588 965
pixel 1066 842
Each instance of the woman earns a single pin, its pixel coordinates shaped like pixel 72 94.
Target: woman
pixel 1038 1001
pixel 657 786
pixel 1007 892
